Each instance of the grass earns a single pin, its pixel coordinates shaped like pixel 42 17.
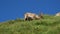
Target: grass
pixel 48 25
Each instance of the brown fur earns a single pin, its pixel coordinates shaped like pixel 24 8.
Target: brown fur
pixel 31 16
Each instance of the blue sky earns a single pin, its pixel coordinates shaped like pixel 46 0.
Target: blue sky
pixel 12 9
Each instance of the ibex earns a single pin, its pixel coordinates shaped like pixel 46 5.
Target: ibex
pixel 32 16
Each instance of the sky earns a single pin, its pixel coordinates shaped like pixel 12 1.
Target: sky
pixel 12 9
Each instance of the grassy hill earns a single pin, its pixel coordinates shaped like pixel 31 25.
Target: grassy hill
pixel 48 25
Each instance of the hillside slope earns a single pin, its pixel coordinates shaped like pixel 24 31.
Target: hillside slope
pixel 48 25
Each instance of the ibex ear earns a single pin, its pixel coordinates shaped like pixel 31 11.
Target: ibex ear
pixel 41 13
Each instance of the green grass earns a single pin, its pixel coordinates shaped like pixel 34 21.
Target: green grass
pixel 48 25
